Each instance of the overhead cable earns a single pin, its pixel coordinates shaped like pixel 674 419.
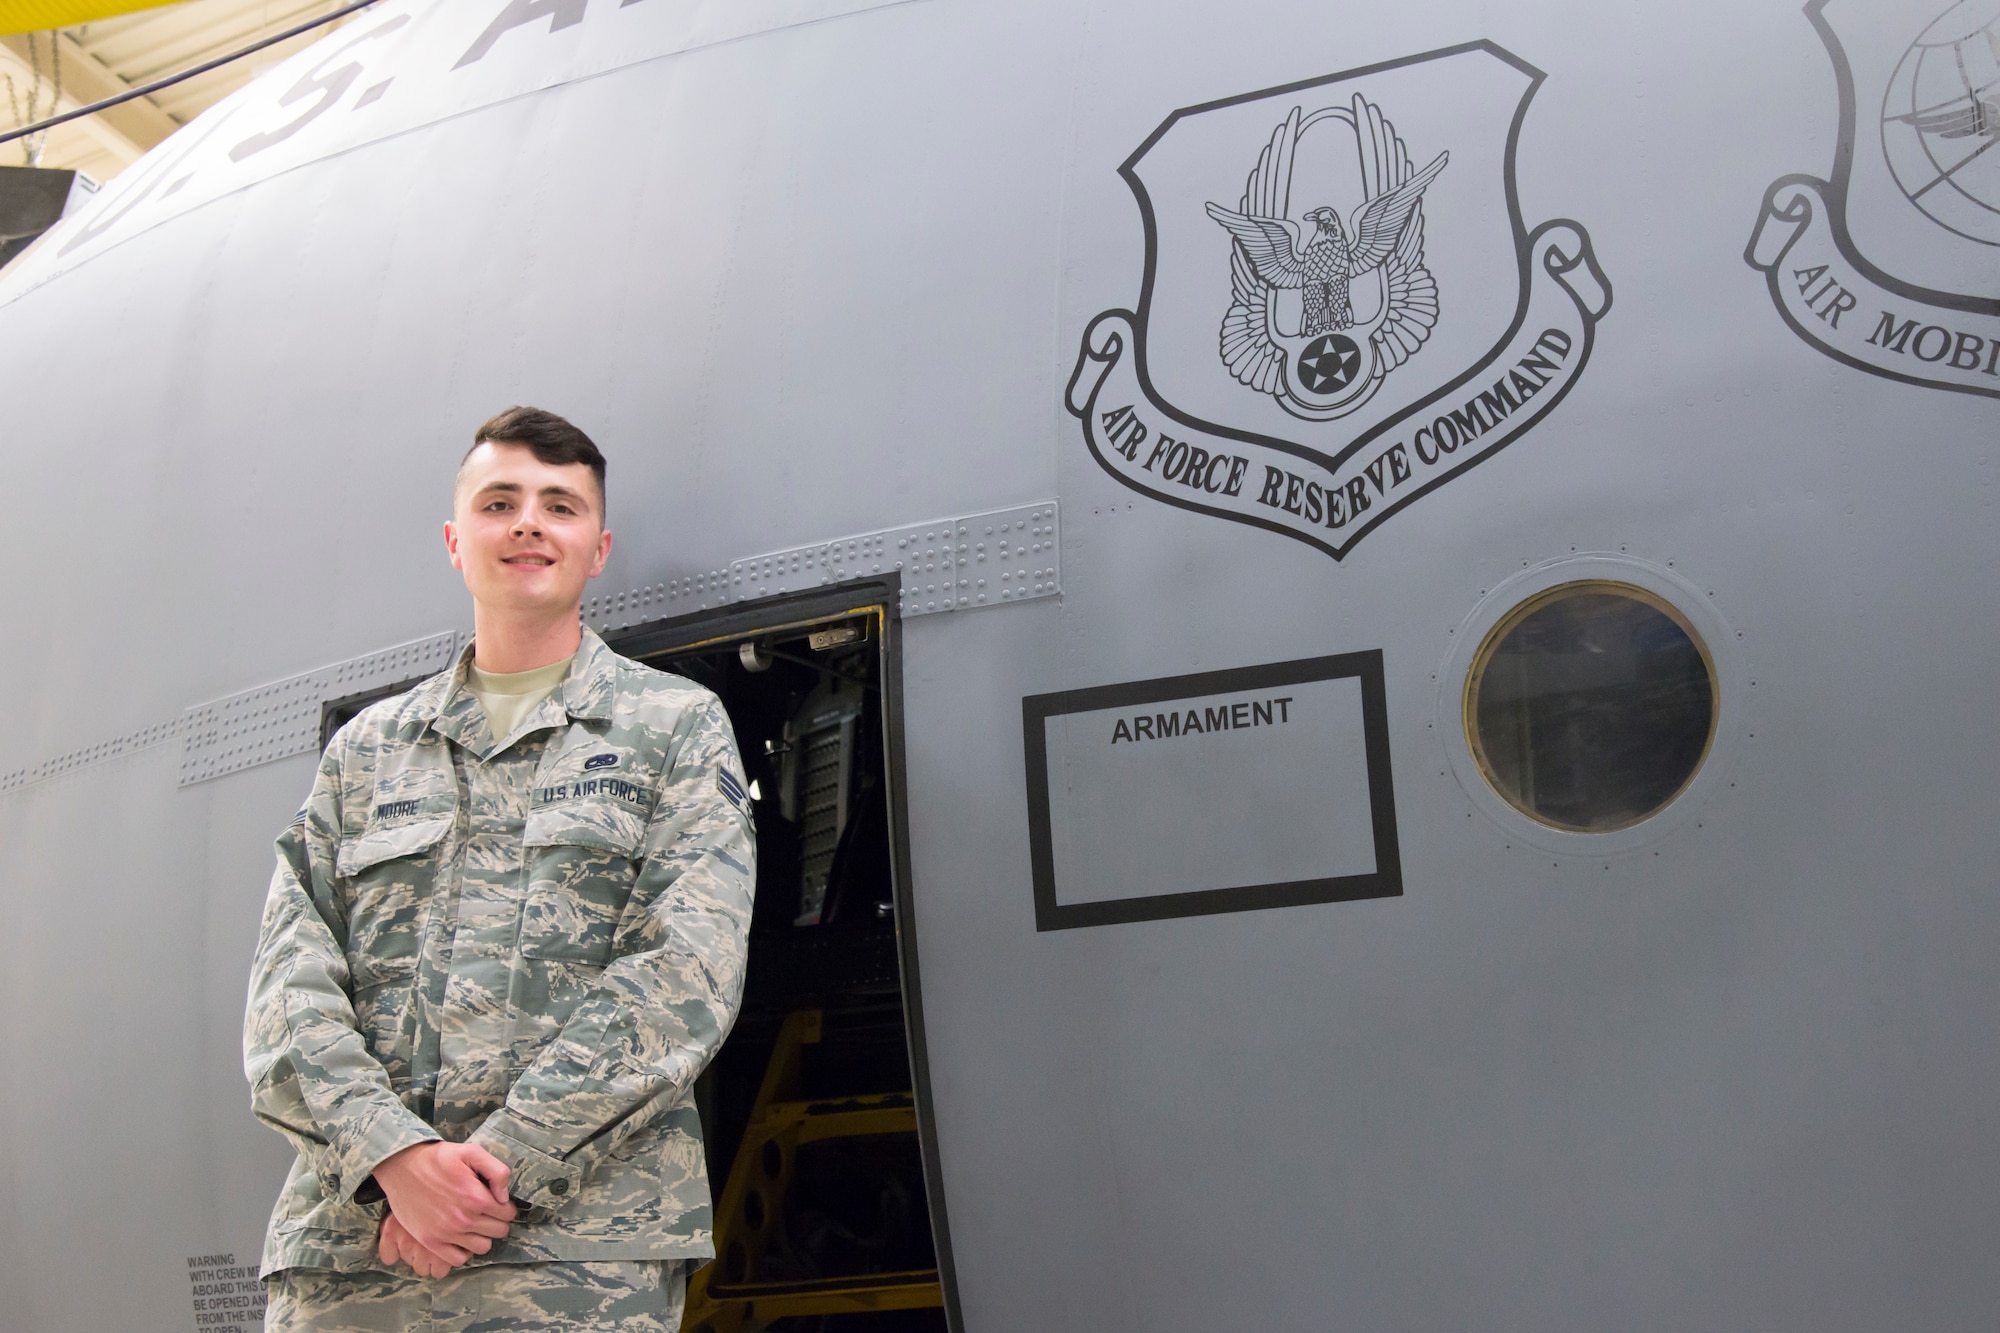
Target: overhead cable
pixel 172 79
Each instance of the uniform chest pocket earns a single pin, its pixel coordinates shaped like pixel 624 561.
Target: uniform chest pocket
pixel 581 858
pixel 388 873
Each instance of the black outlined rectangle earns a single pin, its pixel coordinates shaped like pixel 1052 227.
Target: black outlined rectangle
pixel 1386 880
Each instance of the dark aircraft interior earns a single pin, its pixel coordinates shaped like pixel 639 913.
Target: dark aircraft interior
pixel 809 1110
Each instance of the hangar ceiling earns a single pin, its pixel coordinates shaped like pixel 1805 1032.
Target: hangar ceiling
pixel 107 56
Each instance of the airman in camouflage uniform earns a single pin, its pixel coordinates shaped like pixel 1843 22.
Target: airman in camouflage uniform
pixel 535 942
pixel 530 943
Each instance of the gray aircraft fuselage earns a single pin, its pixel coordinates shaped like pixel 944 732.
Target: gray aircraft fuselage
pixel 1137 358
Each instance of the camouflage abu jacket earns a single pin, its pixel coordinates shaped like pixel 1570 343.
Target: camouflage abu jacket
pixel 536 943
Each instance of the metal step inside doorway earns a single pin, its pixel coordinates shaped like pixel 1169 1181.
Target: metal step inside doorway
pixel 815 1113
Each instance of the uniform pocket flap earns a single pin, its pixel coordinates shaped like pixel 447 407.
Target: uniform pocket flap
pixel 385 844
pixel 602 825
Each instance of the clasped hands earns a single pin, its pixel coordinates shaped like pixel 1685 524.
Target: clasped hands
pixel 447 1202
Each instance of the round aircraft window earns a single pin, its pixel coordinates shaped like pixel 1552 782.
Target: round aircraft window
pixel 1591 706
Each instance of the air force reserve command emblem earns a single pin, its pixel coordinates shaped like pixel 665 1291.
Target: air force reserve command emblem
pixel 1318 360
pixel 1893 264
pixel 1342 308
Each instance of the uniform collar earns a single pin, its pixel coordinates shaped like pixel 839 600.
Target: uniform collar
pixel 592 683
pixel 446 705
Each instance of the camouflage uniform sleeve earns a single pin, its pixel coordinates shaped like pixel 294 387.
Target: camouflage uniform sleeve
pixel 312 1076
pixel 664 1004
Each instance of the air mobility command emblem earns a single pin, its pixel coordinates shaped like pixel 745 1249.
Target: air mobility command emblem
pixel 1342 308
pixel 1892 265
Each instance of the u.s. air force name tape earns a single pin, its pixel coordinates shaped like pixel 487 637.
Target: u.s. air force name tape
pixel 1333 502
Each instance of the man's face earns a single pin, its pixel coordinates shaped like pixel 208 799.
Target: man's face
pixel 526 534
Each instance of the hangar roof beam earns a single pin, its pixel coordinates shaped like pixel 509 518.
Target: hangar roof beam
pixel 129 128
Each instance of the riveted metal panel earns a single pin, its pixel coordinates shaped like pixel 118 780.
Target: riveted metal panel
pixel 652 601
pixel 274 721
pixel 950 564
pixel 56 766
pixel 988 558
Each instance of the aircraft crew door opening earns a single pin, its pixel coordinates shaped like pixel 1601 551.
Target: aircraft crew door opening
pixel 811 1110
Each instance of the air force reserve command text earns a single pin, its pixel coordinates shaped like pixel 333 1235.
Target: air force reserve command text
pixel 1331 499
pixel 1389 470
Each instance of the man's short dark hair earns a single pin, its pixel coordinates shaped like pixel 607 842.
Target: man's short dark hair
pixel 550 438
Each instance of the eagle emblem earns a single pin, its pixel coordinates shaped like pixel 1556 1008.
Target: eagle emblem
pixel 1323 308
pixel 1314 288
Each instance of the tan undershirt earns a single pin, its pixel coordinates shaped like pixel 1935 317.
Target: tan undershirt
pixel 509 696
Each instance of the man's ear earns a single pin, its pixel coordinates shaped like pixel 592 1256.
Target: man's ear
pixel 451 544
pixel 603 554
